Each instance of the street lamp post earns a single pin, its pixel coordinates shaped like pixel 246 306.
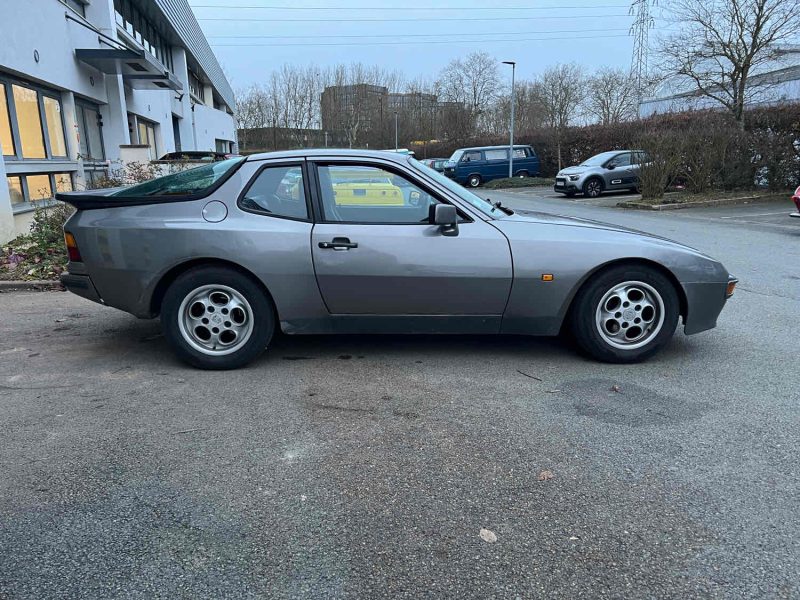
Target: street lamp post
pixel 511 129
pixel 395 131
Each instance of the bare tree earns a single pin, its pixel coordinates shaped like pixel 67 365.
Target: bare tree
pixel 611 96
pixel 473 82
pixel 559 91
pixel 723 45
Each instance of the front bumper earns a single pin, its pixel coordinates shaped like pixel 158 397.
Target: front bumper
pixel 82 286
pixel 704 303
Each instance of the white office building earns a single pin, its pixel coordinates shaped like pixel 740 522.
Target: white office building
pixel 85 84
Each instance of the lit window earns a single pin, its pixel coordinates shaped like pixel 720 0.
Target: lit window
pixel 6 138
pixel 63 182
pixel 29 122
pixel 55 129
pixel 15 189
pixel 39 187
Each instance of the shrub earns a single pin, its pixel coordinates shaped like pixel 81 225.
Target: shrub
pixel 40 254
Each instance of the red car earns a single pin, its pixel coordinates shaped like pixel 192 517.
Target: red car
pixel 796 200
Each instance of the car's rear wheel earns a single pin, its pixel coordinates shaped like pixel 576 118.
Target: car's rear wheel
pixel 523 174
pixel 625 314
pixel 474 181
pixel 217 318
pixel 593 187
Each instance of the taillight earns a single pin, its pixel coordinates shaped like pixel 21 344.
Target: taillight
pixel 72 247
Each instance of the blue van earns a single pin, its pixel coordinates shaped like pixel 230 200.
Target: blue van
pixel 474 166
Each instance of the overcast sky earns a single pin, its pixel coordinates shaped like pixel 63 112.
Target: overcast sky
pixel 417 37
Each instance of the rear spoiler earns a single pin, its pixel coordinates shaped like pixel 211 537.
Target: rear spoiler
pixel 104 198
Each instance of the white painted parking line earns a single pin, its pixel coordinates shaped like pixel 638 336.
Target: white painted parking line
pixel 770 214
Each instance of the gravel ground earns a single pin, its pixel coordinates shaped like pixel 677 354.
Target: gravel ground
pixel 365 467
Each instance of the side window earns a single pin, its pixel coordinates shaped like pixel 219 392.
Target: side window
pixel 473 156
pixel 278 192
pixel 520 153
pixel 370 194
pixel 496 154
pixel 622 160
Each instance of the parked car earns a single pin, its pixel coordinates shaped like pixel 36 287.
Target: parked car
pixel 195 155
pixel 437 164
pixel 796 200
pixel 474 166
pixel 228 252
pixel 604 172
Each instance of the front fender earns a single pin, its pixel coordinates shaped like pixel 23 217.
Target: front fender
pixel 572 254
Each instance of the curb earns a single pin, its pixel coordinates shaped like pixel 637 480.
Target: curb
pixel 39 285
pixel 682 205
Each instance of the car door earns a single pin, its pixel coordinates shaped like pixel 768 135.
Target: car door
pixel 383 258
pixel 496 163
pixel 471 162
pixel 618 173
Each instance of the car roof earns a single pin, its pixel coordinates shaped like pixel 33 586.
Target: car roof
pixel 332 153
pixel 503 147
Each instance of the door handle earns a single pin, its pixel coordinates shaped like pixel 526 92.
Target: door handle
pixel 338 243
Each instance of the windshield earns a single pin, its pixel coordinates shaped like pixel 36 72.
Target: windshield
pixel 476 201
pixel 457 155
pixel 598 159
pixel 185 183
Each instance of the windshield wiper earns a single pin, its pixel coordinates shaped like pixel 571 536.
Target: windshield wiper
pixel 499 205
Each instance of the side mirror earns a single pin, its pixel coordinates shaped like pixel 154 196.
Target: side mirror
pixel 446 217
pixel 611 166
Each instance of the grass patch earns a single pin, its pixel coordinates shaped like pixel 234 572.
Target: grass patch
pixel 518 182
pixel 684 197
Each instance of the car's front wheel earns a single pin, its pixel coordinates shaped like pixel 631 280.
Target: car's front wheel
pixel 217 318
pixel 625 314
pixel 593 187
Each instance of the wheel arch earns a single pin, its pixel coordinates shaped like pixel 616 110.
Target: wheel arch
pixel 643 262
pixel 170 276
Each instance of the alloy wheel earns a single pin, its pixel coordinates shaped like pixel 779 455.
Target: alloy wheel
pixel 215 319
pixel 629 315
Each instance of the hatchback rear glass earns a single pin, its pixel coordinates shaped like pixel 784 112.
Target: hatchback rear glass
pixel 186 183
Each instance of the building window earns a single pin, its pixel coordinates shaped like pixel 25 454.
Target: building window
pixel 55 126
pixel 31 123
pixel 63 182
pixel 90 132
pixel 223 146
pixel 76 5
pixel 196 87
pixel 15 189
pixel 145 32
pixel 37 187
pixel 6 137
pixel 147 137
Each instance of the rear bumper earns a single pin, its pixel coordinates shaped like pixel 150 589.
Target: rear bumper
pixel 82 286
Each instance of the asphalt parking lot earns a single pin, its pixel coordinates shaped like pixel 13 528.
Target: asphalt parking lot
pixel 365 467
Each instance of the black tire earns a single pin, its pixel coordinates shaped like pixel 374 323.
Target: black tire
pixel 593 187
pixel 474 181
pixel 261 315
pixel 583 318
pixel 523 174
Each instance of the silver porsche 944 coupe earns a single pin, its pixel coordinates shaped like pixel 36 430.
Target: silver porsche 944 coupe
pixel 335 241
